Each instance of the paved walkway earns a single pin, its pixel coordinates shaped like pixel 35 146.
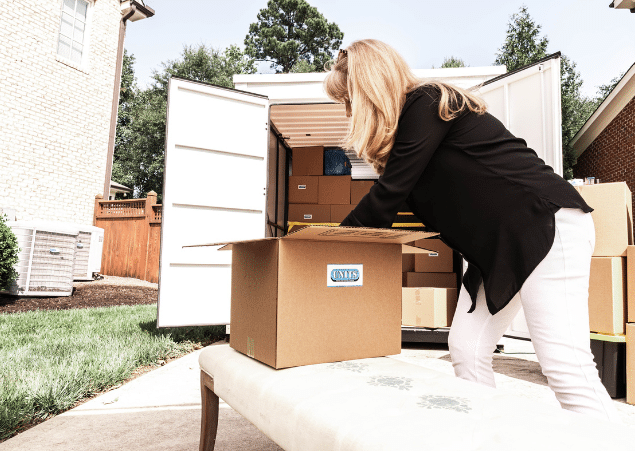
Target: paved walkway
pixel 161 409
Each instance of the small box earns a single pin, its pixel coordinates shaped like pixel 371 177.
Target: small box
pixel 308 161
pixel 303 189
pixel 630 283
pixel 429 279
pixel 440 260
pixel 321 294
pixel 428 307
pixel 309 213
pixel 359 188
pixel 339 212
pixel 607 295
pixel 334 189
pixel 630 363
pixel 612 205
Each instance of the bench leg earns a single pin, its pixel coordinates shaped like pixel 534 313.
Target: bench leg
pixel 209 413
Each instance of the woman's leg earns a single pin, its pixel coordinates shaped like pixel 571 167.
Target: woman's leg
pixel 555 302
pixel 473 337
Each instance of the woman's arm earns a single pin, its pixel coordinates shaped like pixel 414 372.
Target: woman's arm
pixel 420 132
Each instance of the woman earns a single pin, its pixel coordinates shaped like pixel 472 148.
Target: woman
pixel 525 232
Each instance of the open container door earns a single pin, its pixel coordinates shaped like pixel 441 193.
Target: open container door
pixel 214 190
pixel 527 102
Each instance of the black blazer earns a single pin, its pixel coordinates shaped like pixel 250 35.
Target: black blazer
pixel 489 196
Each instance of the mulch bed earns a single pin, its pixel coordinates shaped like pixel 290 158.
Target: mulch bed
pixel 84 296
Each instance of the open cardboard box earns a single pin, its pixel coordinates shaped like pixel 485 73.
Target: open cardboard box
pixel 321 294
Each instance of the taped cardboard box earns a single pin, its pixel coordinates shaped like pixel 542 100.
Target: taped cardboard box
pixel 607 289
pixel 359 188
pixel 630 363
pixel 309 213
pixel 630 283
pixel 612 205
pixel 428 307
pixel 322 294
pixel 334 189
pixel 303 189
pixel 429 279
pixel 441 259
pixel 308 160
pixel 339 212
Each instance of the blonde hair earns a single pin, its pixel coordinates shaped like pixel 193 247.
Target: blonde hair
pixel 372 80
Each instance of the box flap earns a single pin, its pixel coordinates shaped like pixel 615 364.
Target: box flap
pixel 227 246
pixel 406 249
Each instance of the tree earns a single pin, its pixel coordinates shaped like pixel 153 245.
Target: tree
pixel 139 150
pixel 452 62
pixel 605 90
pixel 9 251
pixel 522 45
pixel 289 31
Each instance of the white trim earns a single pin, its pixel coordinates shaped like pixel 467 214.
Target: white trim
pixel 83 65
pixel 608 110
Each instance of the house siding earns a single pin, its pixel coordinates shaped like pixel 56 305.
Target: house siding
pixel 54 117
pixel 611 156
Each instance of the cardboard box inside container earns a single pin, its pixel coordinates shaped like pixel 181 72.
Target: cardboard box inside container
pixel 429 279
pixel 308 161
pixel 303 189
pixel 440 260
pixel 334 189
pixel 309 213
pixel 630 363
pixel 339 212
pixel 341 303
pixel 407 263
pixel 612 216
pixel 607 291
pixel 428 307
pixel 359 188
pixel 630 283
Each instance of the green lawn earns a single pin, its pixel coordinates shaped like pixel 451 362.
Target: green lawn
pixel 50 359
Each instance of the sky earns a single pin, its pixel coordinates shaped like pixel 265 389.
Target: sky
pixel 599 39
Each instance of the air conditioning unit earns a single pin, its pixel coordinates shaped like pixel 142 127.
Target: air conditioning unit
pixel 89 247
pixel 46 261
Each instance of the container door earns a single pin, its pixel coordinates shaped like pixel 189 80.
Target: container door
pixel 527 102
pixel 214 191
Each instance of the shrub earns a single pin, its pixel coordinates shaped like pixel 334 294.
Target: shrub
pixel 8 254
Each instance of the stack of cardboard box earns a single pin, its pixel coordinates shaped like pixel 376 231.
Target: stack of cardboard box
pixel 610 319
pixel 429 286
pixel 316 198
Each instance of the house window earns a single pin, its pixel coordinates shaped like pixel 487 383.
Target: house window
pixel 72 30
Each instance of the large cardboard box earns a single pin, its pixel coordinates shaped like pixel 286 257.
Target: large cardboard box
pixel 607 289
pixel 428 307
pixel 630 283
pixel 308 161
pixel 440 260
pixel 321 294
pixel 309 213
pixel 359 188
pixel 303 189
pixel 630 363
pixel 429 279
pixel 339 212
pixel 612 216
pixel 407 262
pixel 334 189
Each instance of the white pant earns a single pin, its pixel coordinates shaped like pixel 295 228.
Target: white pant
pixel 555 302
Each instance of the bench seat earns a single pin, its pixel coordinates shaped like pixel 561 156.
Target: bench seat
pixel 386 404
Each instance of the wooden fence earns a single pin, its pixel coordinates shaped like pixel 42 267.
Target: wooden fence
pixel 132 236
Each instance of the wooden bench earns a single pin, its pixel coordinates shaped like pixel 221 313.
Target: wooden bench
pixel 385 404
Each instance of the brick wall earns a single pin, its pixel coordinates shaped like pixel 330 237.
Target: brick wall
pixel 54 116
pixel 611 156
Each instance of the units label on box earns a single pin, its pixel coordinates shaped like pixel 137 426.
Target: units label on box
pixel 301 186
pixel 308 216
pixel 344 275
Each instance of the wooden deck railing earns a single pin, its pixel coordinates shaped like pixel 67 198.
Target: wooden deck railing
pixel 132 233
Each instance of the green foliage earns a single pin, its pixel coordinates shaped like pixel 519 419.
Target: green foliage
pixel 49 360
pixel 605 90
pixel 452 62
pixel 8 254
pixel 302 66
pixel 522 45
pixel 139 148
pixel 288 31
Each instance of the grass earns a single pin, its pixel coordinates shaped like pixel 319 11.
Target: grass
pixel 51 359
